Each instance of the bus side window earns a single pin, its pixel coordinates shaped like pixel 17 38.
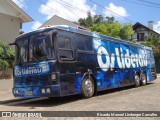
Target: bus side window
pixel 83 42
pixel 65 49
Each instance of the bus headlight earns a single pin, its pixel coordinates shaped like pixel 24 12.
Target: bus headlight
pixel 48 90
pixel 53 76
pixel 43 91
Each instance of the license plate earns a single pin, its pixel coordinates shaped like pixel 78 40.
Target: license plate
pixel 28 93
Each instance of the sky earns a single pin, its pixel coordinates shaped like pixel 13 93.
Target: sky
pixel 124 11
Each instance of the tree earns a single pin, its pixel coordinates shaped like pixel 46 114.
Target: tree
pixel 113 29
pixel 107 27
pixel 82 22
pixel 110 19
pixel 126 31
pixel 153 41
pixel 4 63
pixel 89 20
pixel 97 19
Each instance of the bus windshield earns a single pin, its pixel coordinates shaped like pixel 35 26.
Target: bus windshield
pixel 38 47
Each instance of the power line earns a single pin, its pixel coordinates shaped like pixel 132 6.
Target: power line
pixel 76 8
pixel 48 6
pixel 153 3
pixel 63 5
pixel 51 7
pixel 68 9
pixel 112 11
pixel 140 4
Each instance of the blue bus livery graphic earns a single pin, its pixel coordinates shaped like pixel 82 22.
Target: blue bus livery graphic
pixel 63 60
pixel 123 60
pixel 41 68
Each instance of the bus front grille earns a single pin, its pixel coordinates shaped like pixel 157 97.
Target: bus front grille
pixel 32 81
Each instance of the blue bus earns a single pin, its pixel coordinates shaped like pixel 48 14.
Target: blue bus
pixel 63 60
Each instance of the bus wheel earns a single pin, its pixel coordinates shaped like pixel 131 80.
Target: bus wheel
pixel 87 87
pixel 143 79
pixel 137 80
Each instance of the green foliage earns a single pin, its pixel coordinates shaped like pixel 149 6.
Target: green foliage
pixel 89 20
pixel 113 29
pixel 86 22
pixel 107 27
pixel 4 63
pixel 154 42
pixel 97 19
pixel 110 19
pixel 126 31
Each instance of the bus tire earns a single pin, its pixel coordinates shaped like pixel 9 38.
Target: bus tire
pixel 143 79
pixel 137 80
pixel 87 87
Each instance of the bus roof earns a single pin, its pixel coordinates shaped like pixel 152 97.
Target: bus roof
pixel 82 31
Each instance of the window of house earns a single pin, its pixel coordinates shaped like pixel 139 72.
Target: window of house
pixel 140 37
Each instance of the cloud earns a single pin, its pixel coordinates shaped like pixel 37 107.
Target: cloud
pixel 69 9
pixel 157 27
pixel 36 25
pixel 19 3
pixel 115 9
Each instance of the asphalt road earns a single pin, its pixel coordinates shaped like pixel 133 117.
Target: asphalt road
pixel 145 98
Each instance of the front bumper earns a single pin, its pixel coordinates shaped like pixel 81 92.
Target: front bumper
pixel 36 91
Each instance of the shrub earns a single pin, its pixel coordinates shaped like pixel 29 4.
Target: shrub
pixel 4 63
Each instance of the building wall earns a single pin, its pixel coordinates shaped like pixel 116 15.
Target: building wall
pixel 134 36
pixel 9 28
pixel 146 32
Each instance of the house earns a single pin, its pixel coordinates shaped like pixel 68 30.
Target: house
pixel 142 31
pixel 56 20
pixel 11 19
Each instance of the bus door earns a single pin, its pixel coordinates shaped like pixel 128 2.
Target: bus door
pixel 66 60
pixel 121 72
pixel 115 71
pixel 84 56
pixel 126 63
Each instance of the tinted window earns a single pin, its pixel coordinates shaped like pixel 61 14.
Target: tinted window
pixel 64 42
pixel 83 42
pixel 65 47
pixel 22 51
pixel 40 47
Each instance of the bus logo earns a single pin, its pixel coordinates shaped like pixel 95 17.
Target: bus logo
pixel 123 60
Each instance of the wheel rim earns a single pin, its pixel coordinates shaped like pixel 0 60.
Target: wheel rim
pixel 88 86
pixel 137 79
pixel 143 79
